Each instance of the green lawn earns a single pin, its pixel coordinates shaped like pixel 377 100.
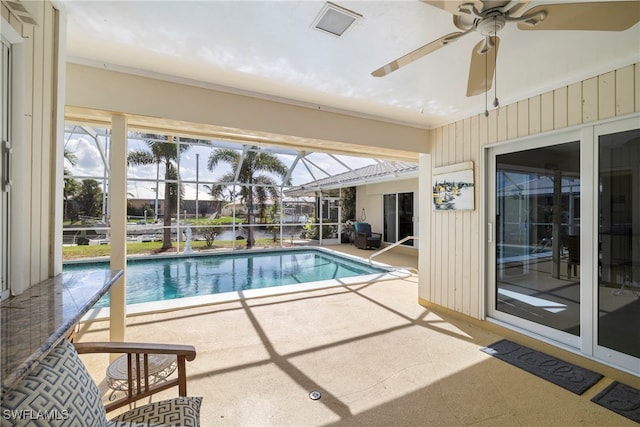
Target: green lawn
pixel 77 252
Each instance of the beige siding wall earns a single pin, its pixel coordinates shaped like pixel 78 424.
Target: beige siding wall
pixel 34 150
pixel 450 273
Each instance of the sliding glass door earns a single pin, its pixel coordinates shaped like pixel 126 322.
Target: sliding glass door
pixel 618 295
pixel 537 223
pixel 398 217
pixel 563 246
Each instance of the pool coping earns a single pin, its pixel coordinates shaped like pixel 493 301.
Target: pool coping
pixel 103 313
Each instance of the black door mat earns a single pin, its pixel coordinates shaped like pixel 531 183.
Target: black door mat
pixel 566 375
pixel 622 399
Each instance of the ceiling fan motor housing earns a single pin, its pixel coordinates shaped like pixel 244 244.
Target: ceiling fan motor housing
pixel 491 25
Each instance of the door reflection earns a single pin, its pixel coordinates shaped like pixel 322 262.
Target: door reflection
pixel 619 242
pixel 538 235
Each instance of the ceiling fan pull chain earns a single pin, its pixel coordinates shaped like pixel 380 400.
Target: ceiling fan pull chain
pixel 486 81
pixel 496 103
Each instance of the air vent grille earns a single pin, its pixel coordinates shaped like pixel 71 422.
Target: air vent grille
pixel 334 19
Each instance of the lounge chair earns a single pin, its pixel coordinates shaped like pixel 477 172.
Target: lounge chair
pixel 365 239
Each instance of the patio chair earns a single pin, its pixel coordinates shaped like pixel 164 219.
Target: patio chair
pixel 364 238
pixel 573 260
pixel 60 388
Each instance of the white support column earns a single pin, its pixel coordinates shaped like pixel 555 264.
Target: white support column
pixel 118 221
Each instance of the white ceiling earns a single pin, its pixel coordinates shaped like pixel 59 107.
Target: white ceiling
pixel 269 48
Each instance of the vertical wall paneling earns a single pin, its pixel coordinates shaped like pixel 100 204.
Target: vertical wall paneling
pixel 607 95
pixel 447 244
pixel 590 100
pixel 534 114
pixel 451 227
pixel 436 235
pixel 502 123
pixel 523 118
pixel 454 244
pixel 560 108
pixel 472 284
pixel 459 230
pixel 512 121
pixel 492 125
pixel 546 112
pixel 34 143
pixel 624 98
pixel 468 133
pixel 465 228
pixel 574 104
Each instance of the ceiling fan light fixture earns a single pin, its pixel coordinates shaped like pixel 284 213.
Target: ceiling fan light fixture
pixel 334 19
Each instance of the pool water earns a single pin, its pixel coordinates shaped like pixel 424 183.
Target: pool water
pixel 166 278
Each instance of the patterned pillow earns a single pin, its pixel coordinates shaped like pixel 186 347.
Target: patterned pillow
pixel 181 411
pixel 57 392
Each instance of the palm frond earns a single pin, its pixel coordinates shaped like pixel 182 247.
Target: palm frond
pixel 223 155
pixel 141 158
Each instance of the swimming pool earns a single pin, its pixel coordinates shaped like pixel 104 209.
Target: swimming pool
pixel 163 278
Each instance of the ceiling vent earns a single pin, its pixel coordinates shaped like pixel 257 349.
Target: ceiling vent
pixel 334 19
pixel 25 12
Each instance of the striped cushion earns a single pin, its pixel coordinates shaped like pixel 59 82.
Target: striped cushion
pixel 181 411
pixel 57 392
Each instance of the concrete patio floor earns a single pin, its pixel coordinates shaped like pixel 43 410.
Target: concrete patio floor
pixel 376 356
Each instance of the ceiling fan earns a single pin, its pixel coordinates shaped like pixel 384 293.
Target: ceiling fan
pixel 488 17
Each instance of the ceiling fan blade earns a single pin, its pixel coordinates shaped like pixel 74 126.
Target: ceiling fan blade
pixel 452 6
pixel 517 9
pixel 493 4
pixel 482 67
pixel 417 54
pixel 596 16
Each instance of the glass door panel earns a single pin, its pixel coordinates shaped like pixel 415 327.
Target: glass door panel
pixel 405 217
pixel 390 217
pixel 538 236
pixel 619 242
pixel 398 217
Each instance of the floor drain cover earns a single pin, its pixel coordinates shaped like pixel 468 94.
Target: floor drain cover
pixel 315 395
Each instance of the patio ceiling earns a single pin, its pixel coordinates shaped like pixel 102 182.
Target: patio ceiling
pixel 271 50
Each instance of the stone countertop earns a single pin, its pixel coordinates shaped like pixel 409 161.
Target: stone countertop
pixel 35 321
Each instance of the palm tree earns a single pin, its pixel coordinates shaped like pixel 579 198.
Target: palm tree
pixel 71 185
pixel 216 191
pixel 246 167
pixel 167 153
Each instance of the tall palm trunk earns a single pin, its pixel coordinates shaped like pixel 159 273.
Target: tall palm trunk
pixel 250 239
pixel 166 235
